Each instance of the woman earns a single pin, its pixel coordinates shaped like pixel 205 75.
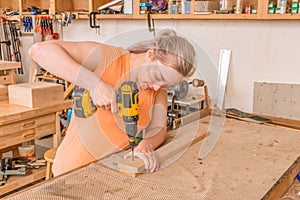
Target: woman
pixel 154 65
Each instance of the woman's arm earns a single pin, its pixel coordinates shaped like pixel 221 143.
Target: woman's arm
pixel 64 59
pixel 75 62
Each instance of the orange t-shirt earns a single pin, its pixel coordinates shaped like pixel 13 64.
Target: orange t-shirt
pixel 101 134
pixel 113 75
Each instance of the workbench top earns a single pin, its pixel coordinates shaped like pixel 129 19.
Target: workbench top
pixel 5 65
pixel 246 163
pixel 11 112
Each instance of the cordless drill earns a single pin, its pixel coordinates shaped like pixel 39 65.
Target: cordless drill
pixel 128 109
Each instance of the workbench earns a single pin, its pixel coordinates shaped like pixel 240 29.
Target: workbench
pixel 250 161
pixel 10 67
pixel 20 124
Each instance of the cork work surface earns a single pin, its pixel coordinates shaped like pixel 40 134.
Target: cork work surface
pixel 245 164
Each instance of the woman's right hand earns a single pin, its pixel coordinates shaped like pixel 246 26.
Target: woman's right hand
pixel 104 96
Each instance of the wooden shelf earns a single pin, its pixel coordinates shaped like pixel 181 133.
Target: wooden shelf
pixel 282 16
pixel 17 181
pixel 13 4
pixel 57 6
pixel 177 16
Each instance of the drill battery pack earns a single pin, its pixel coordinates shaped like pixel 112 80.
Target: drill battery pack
pixel 83 103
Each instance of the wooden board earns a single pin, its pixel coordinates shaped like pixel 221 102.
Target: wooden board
pixel 277 99
pixel 246 163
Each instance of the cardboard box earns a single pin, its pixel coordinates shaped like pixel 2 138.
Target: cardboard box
pixel 205 6
pixel 36 94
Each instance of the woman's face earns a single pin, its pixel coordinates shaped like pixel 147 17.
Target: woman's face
pixel 157 75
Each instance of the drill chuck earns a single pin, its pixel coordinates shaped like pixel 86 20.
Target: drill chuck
pixel 131 129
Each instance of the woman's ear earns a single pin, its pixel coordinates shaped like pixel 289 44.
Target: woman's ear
pixel 150 54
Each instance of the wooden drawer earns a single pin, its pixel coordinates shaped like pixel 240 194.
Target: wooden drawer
pixel 23 136
pixel 6 79
pixel 27 124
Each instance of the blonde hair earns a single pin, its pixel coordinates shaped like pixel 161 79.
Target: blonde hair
pixel 169 49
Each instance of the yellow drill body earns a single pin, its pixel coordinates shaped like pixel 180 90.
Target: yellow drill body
pixel 128 109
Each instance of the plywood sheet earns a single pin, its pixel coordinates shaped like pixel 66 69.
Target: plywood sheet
pixel 245 164
pixel 277 99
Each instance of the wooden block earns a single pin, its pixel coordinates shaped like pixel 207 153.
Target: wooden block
pixel 36 94
pixel 135 167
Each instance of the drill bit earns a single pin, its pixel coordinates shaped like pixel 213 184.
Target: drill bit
pixel 132 154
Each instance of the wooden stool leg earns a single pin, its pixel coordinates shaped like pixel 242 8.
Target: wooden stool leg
pixel 48 170
pixel 49 157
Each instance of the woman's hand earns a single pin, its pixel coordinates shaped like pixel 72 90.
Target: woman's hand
pixel 145 152
pixel 104 96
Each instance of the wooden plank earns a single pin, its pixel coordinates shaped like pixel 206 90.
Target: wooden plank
pixel 285 181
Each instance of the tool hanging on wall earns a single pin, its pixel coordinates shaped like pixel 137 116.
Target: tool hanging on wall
pixel 5 41
pixel 15 34
pixel 66 18
pixel 150 21
pixel 44 25
pixel 10 39
pixel 27 24
pixel 93 18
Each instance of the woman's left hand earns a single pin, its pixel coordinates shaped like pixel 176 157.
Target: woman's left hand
pixel 145 152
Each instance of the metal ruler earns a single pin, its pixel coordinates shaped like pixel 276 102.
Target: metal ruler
pixel 217 114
